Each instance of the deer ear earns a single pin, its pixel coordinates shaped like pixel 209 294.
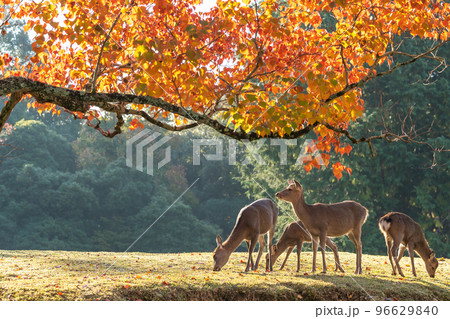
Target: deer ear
pixel 297 184
pixel 219 240
pixel 432 255
pixel 289 181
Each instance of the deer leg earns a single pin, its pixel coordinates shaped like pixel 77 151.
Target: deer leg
pixel 401 251
pixel 299 250
pixel 270 239
pixel 323 240
pixel 286 258
pixel 356 239
pixel 394 254
pixel 333 247
pixel 411 255
pixel 262 245
pixel 389 244
pixel 247 242
pixel 315 243
pixel 251 247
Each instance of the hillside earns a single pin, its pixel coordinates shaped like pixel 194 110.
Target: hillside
pixel 70 275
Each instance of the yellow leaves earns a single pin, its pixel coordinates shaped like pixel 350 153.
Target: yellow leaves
pixel 171 52
pixel 139 51
pixel 38 29
pixel 43 57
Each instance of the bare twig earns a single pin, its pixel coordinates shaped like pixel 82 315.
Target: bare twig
pixel 345 65
pixel 12 149
pixel 95 75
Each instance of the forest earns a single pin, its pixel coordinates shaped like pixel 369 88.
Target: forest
pixel 67 187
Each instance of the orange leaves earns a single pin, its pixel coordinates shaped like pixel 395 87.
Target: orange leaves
pixel 5 60
pixel 272 70
pixel 338 168
pixel 343 150
pixel 136 124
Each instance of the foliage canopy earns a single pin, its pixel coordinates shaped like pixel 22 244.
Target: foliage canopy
pixel 247 69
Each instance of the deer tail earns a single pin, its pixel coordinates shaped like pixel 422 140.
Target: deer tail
pixel 384 223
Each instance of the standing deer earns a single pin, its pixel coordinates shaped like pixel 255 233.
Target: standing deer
pixel 322 220
pixel 252 223
pixel 402 231
pixel 294 235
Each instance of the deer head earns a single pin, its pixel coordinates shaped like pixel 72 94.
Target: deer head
pixel 220 255
pixel 432 264
pixel 274 250
pixel 291 193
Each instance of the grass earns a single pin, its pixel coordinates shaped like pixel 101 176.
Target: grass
pixel 69 275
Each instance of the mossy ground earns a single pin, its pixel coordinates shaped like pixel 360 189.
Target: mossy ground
pixel 70 275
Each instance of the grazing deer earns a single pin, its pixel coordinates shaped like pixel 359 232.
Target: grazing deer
pixel 252 223
pixel 322 220
pixel 402 231
pixel 294 235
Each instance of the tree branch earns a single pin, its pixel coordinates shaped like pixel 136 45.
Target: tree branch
pixel 372 75
pixel 79 101
pixel 9 106
pixel 95 75
pixel 13 148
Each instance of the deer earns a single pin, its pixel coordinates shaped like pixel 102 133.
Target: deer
pixel 327 220
pixel 400 232
pixel 295 234
pixel 252 223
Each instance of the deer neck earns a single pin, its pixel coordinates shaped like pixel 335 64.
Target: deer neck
pixel 423 249
pixel 301 209
pixel 234 240
pixel 281 247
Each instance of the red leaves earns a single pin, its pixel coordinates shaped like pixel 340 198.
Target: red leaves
pixel 135 124
pixel 299 64
pixel 338 168
pixel 343 150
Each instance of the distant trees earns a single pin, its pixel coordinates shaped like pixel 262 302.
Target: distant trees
pixel 55 196
pixel 60 198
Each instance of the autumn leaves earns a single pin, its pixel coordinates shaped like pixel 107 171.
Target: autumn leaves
pixel 260 69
